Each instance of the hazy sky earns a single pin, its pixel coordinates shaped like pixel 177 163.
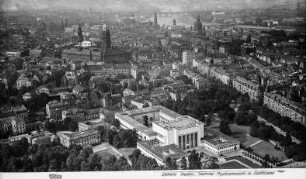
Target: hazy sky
pixel 134 5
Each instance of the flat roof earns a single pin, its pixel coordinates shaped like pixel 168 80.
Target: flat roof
pixel 157 108
pixel 74 135
pixel 182 122
pixel 137 125
pixel 217 138
pixel 162 152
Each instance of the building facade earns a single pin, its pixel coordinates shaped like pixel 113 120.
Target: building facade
pixel 83 138
pixel 168 127
pixel 219 143
pixel 285 107
pixel 245 86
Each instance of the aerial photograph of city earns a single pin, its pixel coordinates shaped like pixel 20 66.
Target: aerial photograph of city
pixel 141 85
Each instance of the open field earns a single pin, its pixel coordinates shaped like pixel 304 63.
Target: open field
pixel 242 134
pixel 232 165
pixel 265 147
pixel 244 160
pixel 126 151
pixel 107 153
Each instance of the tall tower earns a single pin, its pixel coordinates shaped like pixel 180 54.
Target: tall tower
pixel 174 22
pixel 80 34
pixel 106 38
pixel 155 19
pixel 198 25
pixel 133 18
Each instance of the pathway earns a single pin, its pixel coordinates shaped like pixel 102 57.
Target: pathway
pixel 252 145
pixel 277 129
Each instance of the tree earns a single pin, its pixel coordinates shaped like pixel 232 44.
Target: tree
pixel 94 161
pixel 194 160
pixel 183 163
pixel 117 141
pixel 73 126
pixel 145 120
pixel 224 127
pixel 254 129
pixel 135 155
pixel 114 122
pixel 251 117
pixel 287 140
pixel 123 164
pixel 171 163
pixel 168 163
pixel 264 132
pixel 211 163
pixel 85 166
pixel 208 119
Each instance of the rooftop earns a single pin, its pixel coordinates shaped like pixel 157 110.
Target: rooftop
pixel 217 138
pixel 137 125
pixel 182 122
pixel 152 109
pixel 75 135
pixel 162 152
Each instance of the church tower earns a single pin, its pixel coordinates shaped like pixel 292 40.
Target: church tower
pixel 174 22
pixel 198 25
pixel 155 19
pixel 80 35
pixel 106 38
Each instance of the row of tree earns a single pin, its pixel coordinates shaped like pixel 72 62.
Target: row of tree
pixel 216 99
pixel 55 157
pixel 121 138
pixel 261 130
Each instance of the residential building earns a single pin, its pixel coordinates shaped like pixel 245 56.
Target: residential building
pixel 285 107
pixel 54 109
pixel 92 124
pixel 12 119
pixel 160 93
pixel 246 86
pixel 188 57
pixel 23 81
pixel 109 69
pixel 221 75
pixel 83 138
pixel 201 83
pixel 75 114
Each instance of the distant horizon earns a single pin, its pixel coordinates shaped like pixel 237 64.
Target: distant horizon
pixel 109 6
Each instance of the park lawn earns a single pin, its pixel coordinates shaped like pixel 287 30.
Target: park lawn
pixel 241 133
pixel 244 160
pixel 231 165
pixel 265 147
pixel 107 153
pixel 126 152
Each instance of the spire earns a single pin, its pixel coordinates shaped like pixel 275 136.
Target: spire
pixel 104 27
pixel 198 25
pixel 155 19
pixel 80 34
pixel 198 18
pixel 106 38
pixel 174 22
